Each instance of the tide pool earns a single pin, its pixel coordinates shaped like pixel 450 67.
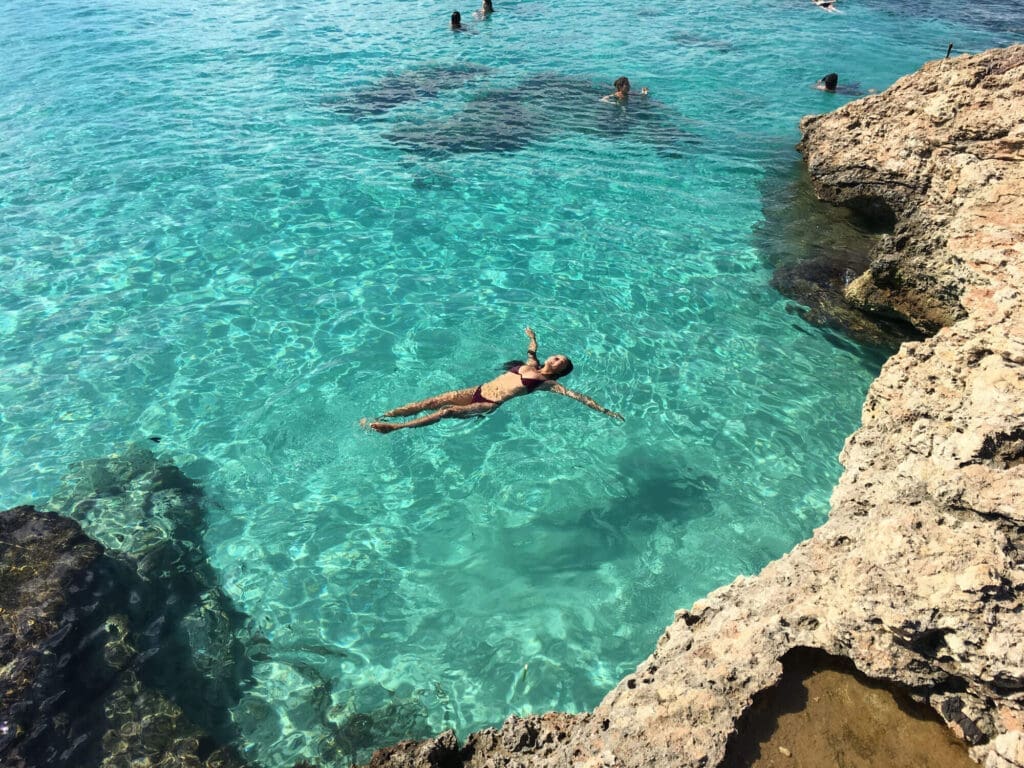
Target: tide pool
pixel 242 227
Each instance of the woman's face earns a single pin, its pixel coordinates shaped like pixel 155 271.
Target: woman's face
pixel 555 363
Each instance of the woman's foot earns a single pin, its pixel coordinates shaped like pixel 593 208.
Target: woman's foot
pixel 383 427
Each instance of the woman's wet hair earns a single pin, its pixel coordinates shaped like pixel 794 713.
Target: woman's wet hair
pixel 456 19
pixel 622 82
pixel 830 81
pixel 488 6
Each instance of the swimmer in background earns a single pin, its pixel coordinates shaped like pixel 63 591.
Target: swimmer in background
pixel 622 89
pixel 485 10
pixel 827 5
pixel 457 22
pixel 828 82
pixel 520 378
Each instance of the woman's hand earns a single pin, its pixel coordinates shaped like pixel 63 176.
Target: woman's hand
pixel 530 334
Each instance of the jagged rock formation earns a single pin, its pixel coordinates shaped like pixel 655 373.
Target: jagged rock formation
pixel 113 658
pixel 72 694
pixel 918 576
pixel 937 154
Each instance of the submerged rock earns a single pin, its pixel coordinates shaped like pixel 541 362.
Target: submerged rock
pixel 151 517
pixel 69 654
pixel 115 655
pixel 539 108
pixel 816 250
pixel 917 578
pixel 395 90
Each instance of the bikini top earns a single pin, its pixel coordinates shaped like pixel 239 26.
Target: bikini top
pixel 530 384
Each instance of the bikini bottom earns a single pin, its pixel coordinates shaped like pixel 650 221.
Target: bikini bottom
pixel 479 398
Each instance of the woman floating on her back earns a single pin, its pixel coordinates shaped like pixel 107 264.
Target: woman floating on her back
pixel 521 378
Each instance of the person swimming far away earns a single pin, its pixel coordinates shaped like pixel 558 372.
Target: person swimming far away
pixel 485 10
pixel 519 378
pixel 622 88
pixel 828 82
pixel 457 21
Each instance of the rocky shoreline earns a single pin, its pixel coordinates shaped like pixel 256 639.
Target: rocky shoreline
pixel 917 577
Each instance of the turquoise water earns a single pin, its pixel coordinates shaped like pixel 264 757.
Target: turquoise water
pixel 242 227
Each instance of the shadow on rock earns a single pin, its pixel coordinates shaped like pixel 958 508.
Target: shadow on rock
pixel 823 712
pixel 816 251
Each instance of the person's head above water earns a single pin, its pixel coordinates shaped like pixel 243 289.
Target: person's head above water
pixel 556 366
pixel 487 6
pixel 829 81
pixel 456 20
pixel 622 86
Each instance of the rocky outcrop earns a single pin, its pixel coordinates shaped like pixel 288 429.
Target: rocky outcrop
pixel 115 655
pixel 918 576
pixel 939 155
pixel 72 693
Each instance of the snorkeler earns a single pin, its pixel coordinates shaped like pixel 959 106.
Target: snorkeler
pixel 622 89
pixel 520 378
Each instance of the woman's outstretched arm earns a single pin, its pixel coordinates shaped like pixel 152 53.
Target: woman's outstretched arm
pixel 531 349
pixel 558 389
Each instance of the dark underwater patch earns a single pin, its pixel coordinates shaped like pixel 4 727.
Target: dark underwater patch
pixel 135 656
pixel 815 251
pixel 394 90
pixel 690 40
pixel 540 108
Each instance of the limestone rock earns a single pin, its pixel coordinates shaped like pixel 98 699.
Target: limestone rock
pixel 939 154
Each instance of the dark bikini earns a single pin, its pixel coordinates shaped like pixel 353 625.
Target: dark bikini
pixel 478 398
pixel 530 384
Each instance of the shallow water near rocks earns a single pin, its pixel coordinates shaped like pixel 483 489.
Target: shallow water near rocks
pixel 242 227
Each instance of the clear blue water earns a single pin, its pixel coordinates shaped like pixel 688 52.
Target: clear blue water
pixel 244 226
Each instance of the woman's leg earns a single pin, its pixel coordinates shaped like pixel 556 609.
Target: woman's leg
pixel 455 397
pixel 448 412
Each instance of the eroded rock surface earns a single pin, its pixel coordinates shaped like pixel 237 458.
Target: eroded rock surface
pixel 917 576
pixel 120 651
pixel 71 692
